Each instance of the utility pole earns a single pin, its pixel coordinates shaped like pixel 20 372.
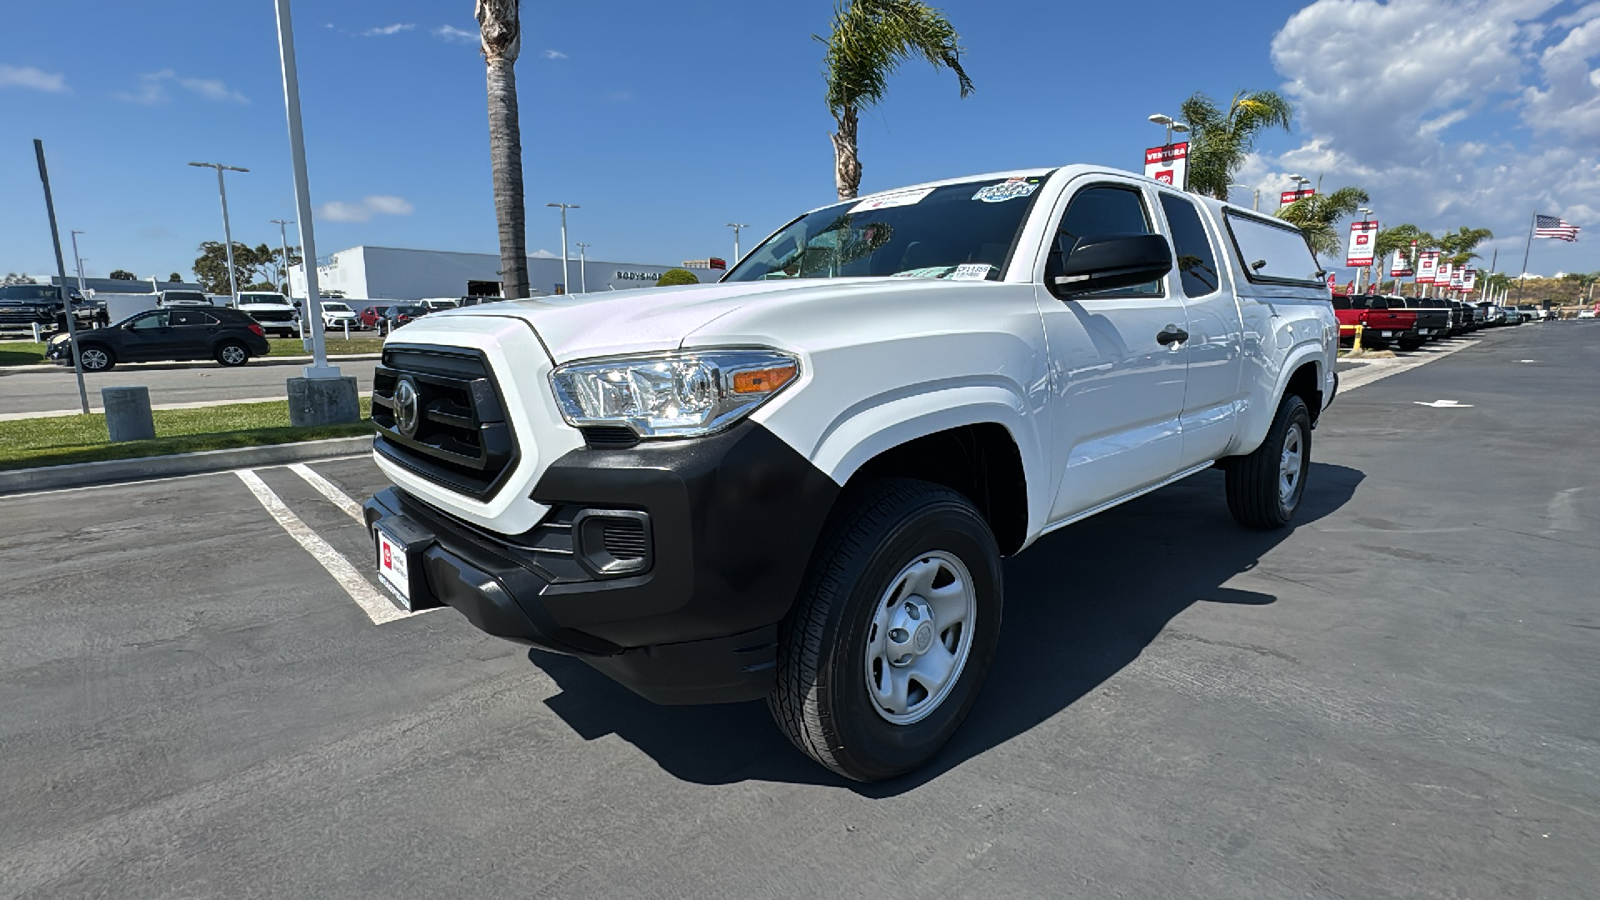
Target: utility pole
pixel 583 267
pixel 283 243
pixel 61 269
pixel 566 278
pixel 736 226
pixel 227 233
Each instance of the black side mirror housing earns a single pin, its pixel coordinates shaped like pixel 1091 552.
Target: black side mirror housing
pixel 1109 261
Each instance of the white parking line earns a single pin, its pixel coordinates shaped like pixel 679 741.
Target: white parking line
pixel 375 605
pixel 327 489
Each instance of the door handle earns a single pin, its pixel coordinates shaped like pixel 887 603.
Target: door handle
pixel 1171 334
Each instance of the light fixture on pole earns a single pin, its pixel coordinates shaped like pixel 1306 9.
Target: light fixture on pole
pixel 566 280
pixel 227 233
pixel 583 267
pixel 1255 192
pixel 1172 125
pixel 736 226
pixel 283 244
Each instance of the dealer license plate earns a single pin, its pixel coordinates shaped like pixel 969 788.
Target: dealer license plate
pixel 392 567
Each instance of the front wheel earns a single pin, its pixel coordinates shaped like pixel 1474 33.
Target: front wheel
pixel 233 353
pixel 1265 487
pixel 894 630
pixel 95 358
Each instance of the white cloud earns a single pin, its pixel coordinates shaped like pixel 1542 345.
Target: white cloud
pixel 384 30
pixel 152 89
pixel 364 209
pixel 553 54
pixel 542 253
pixel 456 35
pixel 1453 112
pixel 37 79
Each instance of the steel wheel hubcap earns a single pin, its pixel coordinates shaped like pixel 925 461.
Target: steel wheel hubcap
pixel 920 638
pixel 1289 466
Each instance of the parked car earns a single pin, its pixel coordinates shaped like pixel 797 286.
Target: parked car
pixel 227 335
pixel 26 305
pixel 402 314
pixel 1531 313
pixel 279 319
pixel 183 298
pixel 434 304
pixel 272 297
pixel 1433 319
pixel 371 315
pixel 1380 324
pixel 1510 315
pixel 336 313
pixel 798 483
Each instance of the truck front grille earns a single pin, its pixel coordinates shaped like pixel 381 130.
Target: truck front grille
pixel 455 433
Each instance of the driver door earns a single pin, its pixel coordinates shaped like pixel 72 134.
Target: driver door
pixel 1117 373
pixel 149 336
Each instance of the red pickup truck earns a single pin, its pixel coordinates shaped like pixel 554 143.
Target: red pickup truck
pixel 1382 324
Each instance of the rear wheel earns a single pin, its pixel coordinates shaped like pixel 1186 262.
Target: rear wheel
pixel 1265 487
pixel 893 632
pixel 96 358
pixel 232 353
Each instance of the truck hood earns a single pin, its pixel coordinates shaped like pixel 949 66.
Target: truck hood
pixel 647 320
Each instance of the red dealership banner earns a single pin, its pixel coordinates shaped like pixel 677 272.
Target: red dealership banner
pixel 1288 197
pixel 1363 238
pixel 1169 164
pixel 1400 266
pixel 1427 266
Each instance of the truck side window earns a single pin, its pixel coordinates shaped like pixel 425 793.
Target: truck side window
pixel 1196 263
pixel 1098 210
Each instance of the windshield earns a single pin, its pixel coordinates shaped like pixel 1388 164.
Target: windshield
pixel 29 292
pixel 959 231
pixel 334 307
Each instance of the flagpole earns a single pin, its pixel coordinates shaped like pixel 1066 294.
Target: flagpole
pixel 1525 250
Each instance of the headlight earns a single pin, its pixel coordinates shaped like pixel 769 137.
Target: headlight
pixel 683 394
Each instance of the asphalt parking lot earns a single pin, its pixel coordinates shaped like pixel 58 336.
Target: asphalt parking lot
pixel 1400 697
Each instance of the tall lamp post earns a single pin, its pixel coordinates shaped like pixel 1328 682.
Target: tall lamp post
pixel 283 244
pixel 566 279
pixel 1172 125
pixel 1256 192
pixel 736 226
pixel 227 233
pixel 583 267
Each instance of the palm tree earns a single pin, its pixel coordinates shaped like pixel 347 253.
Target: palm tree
pixel 1318 216
pixel 870 39
pixel 1221 141
pixel 500 29
pixel 1458 246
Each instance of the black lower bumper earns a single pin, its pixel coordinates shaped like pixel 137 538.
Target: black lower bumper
pixel 729 523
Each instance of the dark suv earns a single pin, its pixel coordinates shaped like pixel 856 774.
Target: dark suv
pixel 22 305
pixel 227 335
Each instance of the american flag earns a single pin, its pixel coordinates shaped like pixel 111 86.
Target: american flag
pixel 1552 227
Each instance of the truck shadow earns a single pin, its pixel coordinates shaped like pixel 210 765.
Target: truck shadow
pixel 1081 604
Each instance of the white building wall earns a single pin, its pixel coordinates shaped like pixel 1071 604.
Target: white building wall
pixel 391 273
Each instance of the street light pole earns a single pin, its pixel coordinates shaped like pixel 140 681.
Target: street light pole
pixel 583 267
pixel 1171 124
pixel 736 226
pixel 227 233
pixel 61 270
pixel 1255 203
pixel 283 242
pixel 566 278
pixel 83 289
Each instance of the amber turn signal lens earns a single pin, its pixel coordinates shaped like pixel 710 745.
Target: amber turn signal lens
pixel 763 381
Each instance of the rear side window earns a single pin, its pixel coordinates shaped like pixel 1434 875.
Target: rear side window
pixel 1271 251
pixel 191 317
pixel 1196 263
pixel 1341 301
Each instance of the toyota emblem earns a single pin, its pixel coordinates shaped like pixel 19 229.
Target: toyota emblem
pixel 406 412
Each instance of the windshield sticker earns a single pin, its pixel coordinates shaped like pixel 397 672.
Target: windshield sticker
pixel 885 201
pixel 971 272
pixel 925 272
pixel 1010 189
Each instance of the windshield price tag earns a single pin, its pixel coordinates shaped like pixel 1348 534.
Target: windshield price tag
pixel 1010 189
pixel 885 201
pixel 971 272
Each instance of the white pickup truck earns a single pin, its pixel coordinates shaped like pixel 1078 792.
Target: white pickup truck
pixel 798 483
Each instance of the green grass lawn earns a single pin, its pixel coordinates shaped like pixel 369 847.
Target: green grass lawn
pixel 25 443
pixel 337 345
pixel 20 353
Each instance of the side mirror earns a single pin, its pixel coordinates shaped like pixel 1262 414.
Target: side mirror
pixel 1109 261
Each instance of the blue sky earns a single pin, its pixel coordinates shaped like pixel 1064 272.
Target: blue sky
pixel 665 121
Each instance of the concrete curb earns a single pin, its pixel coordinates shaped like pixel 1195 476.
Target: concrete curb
pixel 111 471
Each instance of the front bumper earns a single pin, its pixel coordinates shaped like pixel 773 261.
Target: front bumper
pixel 729 523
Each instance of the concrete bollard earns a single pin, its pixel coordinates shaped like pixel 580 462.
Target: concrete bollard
pixel 128 416
pixel 323 401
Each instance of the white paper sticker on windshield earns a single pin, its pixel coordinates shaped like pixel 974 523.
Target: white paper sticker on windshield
pixel 885 201
pixel 1010 189
pixel 924 272
pixel 971 272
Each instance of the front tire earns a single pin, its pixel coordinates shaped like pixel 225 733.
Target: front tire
pixel 95 358
pixel 894 630
pixel 232 353
pixel 1265 487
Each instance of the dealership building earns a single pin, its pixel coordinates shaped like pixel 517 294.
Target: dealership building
pixel 393 273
